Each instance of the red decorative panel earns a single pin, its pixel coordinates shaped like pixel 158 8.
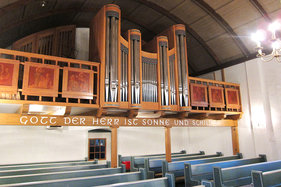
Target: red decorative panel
pixel 77 83
pixel 199 95
pixel 216 96
pixel 232 98
pixel 9 70
pixel 40 79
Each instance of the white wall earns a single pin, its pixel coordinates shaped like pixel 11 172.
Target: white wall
pixel 260 126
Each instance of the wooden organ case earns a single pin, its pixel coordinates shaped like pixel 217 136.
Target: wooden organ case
pixel 153 78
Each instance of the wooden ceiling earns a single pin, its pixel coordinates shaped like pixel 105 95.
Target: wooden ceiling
pixel 218 30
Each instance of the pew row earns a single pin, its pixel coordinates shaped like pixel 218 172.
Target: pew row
pixel 88 181
pixel 177 168
pixel 54 169
pixel 155 165
pixel 128 158
pixel 194 174
pixel 241 175
pixel 167 181
pixel 47 165
pixel 67 161
pixel 268 178
pixel 137 163
pixel 60 175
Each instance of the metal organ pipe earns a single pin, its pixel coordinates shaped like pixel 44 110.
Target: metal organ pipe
pixel 182 68
pixel 111 62
pixel 135 68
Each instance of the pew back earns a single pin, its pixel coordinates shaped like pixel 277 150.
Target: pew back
pixel 241 175
pixel 178 167
pixel 53 169
pixel 88 181
pixel 167 181
pixel 193 174
pixel 156 164
pixel 6 168
pixel 60 175
pixel 128 158
pixel 24 164
pixel 137 163
pixel 269 178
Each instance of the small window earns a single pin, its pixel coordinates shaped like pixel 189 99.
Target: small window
pixel 97 149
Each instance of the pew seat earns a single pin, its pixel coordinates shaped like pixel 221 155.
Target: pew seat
pixel 155 165
pixel 167 181
pixel 194 174
pixel 87 181
pixel 177 168
pixel 53 169
pixel 241 175
pixel 268 178
pixel 60 175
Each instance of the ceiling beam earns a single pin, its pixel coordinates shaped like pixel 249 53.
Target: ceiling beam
pixel 211 12
pixel 261 10
pixel 11 6
pixel 176 19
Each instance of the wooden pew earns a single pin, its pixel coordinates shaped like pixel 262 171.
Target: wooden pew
pixel 53 169
pixel 268 178
pixel 167 181
pixel 177 168
pixel 88 181
pixel 155 165
pixel 241 175
pixel 6 168
pixel 128 158
pixel 137 163
pixel 59 175
pixel 194 174
pixel 24 164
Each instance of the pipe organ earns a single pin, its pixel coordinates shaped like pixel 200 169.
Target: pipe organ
pixel 155 79
pixel 123 74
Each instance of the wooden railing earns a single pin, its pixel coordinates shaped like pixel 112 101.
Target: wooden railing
pixel 210 95
pixel 64 75
pixel 205 96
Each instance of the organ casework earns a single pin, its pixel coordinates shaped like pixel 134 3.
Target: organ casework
pixel 135 78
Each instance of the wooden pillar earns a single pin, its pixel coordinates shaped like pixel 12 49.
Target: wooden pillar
pixel 235 139
pixel 114 156
pixel 222 75
pixel 168 143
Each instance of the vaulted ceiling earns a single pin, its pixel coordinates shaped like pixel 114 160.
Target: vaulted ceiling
pixel 217 30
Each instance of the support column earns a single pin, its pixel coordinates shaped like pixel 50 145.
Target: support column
pixel 168 144
pixel 114 156
pixel 235 139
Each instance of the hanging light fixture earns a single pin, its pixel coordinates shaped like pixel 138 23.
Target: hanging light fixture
pixel 260 36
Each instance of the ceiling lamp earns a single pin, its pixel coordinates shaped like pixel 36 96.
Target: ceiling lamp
pixel 260 36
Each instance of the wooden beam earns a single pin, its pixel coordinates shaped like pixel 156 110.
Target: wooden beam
pixel 133 113
pixel 67 110
pixel 209 10
pixel 222 75
pixel 100 112
pixel 168 144
pixel 52 120
pixel 198 116
pixel 216 116
pixel 235 140
pixel 24 109
pixel 261 10
pixel 234 117
pixel 114 155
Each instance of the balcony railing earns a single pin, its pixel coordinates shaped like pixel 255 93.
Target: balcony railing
pixel 63 76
